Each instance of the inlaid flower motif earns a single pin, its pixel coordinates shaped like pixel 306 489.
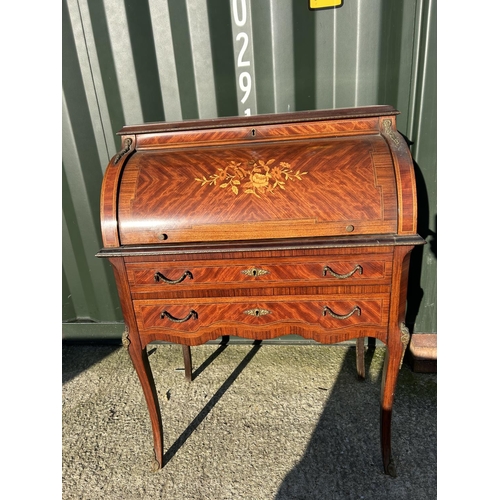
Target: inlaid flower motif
pixel 258 179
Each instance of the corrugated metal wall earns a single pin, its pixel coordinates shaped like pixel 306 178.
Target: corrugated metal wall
pixel 136 61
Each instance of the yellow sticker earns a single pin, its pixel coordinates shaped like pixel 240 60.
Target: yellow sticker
pixel 324 4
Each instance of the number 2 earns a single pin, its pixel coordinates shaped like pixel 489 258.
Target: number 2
pixel 241 62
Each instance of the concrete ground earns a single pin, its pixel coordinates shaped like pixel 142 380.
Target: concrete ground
pixel 269 422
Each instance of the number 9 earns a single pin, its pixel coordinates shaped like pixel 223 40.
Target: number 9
pixel 245 82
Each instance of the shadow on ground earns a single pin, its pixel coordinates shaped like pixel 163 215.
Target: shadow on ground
pixel 344 452
pixel 79 358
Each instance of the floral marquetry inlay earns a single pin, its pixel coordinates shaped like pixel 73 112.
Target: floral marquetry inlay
pixel 253 178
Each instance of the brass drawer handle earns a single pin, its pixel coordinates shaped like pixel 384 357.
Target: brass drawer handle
pixel 257 312
pixel 255 271
pixel 158 276
pixel 342 276
pixel 326 309
pixel 192 314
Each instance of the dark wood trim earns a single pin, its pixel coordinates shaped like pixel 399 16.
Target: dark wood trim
pixel 265 119
pixel 254 246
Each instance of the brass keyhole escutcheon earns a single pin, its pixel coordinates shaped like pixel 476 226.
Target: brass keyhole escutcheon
pixel 255 272
pixel 257 312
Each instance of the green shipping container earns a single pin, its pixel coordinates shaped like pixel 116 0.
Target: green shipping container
pixel 129 62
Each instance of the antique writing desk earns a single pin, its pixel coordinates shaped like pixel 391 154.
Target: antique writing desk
pixel 298 223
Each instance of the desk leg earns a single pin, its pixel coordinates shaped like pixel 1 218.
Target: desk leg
pixel 360 357
pixel 188 364
pixel 397 340
pixel 392 364
pixel 139 357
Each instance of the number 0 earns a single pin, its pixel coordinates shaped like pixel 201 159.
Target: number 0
pixel 237 20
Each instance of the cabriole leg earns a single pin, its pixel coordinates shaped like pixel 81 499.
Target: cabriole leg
pixel 397 340
pixel 393 360
pixel 139 357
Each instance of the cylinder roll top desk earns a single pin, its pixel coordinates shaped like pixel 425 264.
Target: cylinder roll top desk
pixel 299 223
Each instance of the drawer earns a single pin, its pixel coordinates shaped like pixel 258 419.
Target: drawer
pixel 159 276
pixel 246 317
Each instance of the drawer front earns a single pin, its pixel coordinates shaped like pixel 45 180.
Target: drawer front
pixel 163 276
pixel 247 316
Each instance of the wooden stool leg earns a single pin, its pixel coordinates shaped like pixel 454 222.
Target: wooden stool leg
pixel 141 364
pixel 360 357
pixel 188 367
